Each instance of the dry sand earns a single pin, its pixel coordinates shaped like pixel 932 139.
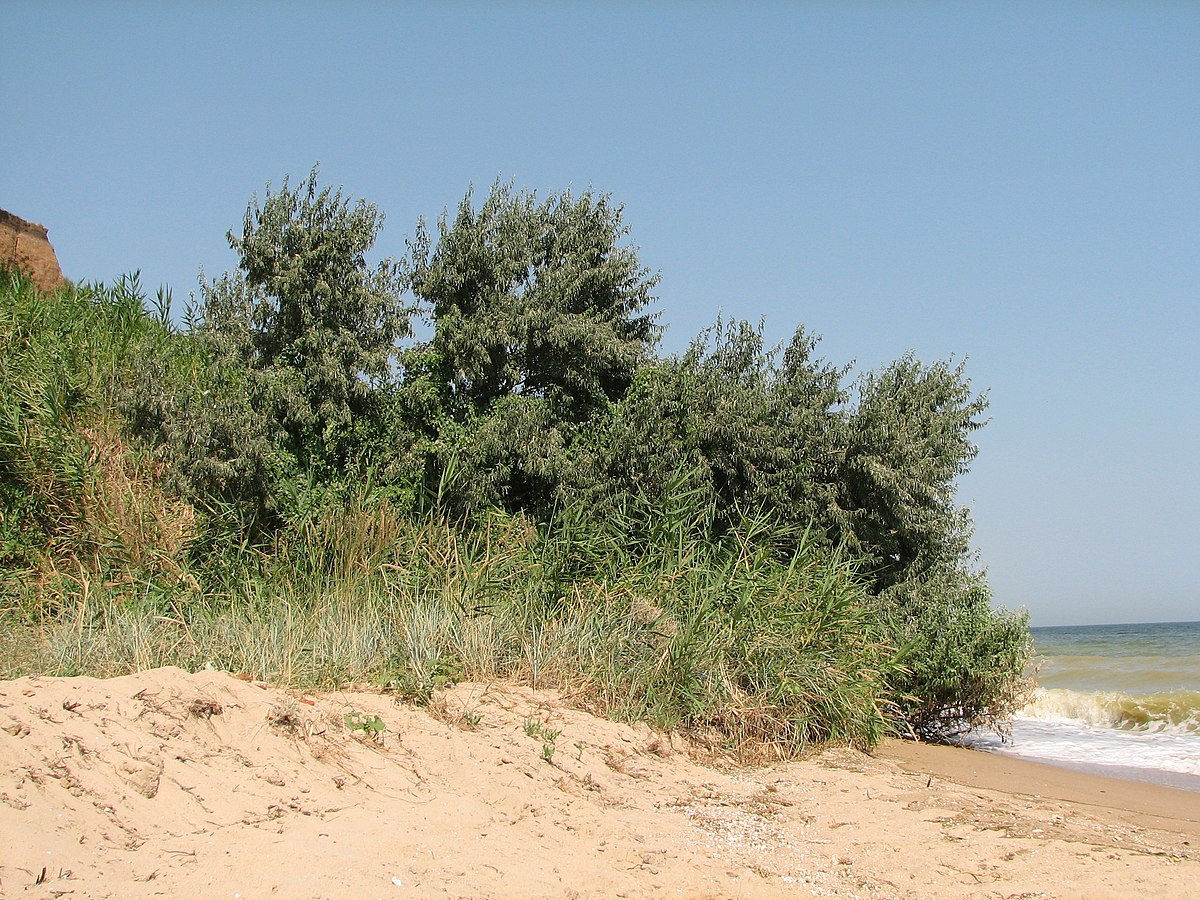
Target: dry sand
pixel 177 785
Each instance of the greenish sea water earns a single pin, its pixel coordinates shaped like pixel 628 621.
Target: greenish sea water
pixel 1119 699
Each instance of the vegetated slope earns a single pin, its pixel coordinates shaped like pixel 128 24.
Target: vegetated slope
pixel 730 542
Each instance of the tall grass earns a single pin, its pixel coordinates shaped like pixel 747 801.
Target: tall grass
pixel 68 483
pixel 724 639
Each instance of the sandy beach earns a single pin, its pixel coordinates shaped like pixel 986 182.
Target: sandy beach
pixel 172 784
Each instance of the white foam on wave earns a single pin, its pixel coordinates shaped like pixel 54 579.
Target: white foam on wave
pixel 1076 743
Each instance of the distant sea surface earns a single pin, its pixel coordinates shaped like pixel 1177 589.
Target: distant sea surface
pixel 1122 700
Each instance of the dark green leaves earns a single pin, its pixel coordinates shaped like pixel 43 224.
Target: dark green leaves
pixel 315 324
pixel 535 298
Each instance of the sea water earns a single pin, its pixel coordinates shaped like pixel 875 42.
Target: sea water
pixel 1122 700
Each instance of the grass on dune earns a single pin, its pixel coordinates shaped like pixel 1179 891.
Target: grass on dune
pixel 722 638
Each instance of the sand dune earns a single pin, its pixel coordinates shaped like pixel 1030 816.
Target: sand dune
pixel 171 784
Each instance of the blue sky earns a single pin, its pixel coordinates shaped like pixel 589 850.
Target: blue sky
pixel 1013 183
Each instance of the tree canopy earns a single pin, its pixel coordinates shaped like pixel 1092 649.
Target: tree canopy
pixel 540 324
pixel 536 299
pixel 307 313
pixel 538 389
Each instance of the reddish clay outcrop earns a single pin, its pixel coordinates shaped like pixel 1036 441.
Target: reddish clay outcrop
pixel 26 245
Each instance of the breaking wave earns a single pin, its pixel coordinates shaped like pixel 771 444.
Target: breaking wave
pixel 1169 711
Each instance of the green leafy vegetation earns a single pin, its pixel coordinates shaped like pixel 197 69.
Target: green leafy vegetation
pixel 736 541
pixel 372 727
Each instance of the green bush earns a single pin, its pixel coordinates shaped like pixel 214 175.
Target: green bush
pixel 65 357
pixel 961 662
pixel 268 406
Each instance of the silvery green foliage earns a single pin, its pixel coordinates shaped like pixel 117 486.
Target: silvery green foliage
pixel 539 322
pixel 539 299
pixel 760 428
pixel 758 431
pixel 909 438
pixel 539 391
pixel 315 324
pixel 270 398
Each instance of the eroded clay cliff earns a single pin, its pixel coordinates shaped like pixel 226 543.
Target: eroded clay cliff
pixel 26 245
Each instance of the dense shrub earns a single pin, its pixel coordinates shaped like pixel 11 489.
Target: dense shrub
pixel 270 405
pixel 961 662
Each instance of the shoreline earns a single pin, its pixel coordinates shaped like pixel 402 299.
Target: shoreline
pixel 1140 802
pixel 1180 781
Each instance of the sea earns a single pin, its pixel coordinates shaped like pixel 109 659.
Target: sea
pixel 1119 700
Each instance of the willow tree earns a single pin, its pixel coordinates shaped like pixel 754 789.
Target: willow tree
pixel 308 311
pixel 278 389
pixel 539 316
pixel 909 439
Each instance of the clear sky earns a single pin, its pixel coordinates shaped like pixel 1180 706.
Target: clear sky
pixel 1013 183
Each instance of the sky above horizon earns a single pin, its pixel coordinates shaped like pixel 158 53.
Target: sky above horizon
pixel 1016 184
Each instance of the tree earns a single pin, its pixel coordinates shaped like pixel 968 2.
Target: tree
pixel 909 439
pixel 761 427
pixel 274 395
pixel 316 324
pixel 811 400
pixel 536 299
pixel 539 319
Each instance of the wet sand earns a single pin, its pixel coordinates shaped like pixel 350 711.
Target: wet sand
pixel 1128 800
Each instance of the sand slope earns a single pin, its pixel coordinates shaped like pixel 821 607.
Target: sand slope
pixel 171 784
